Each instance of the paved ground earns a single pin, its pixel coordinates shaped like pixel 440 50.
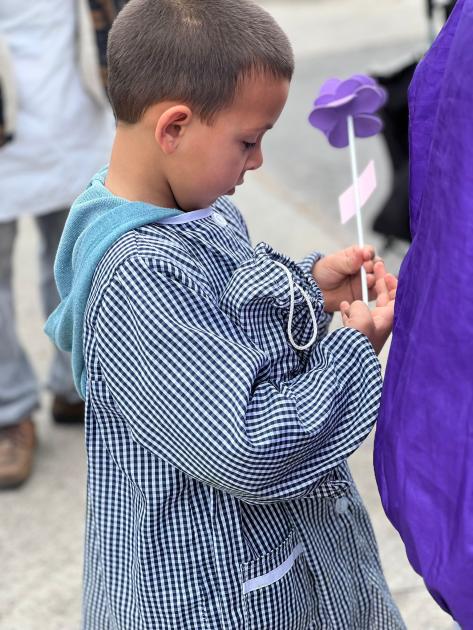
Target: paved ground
pixel 292 204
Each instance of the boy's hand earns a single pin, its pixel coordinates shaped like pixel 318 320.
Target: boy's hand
pixel 338 275
pixel 375 324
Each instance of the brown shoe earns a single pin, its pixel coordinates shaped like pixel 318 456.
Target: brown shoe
pixel 67 413
pixel 17 443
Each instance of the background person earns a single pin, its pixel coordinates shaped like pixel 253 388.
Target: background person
pixel 56 129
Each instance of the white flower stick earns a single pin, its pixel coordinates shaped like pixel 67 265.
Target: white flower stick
pixel 356 188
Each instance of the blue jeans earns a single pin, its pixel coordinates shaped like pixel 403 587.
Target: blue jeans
pixel 19 388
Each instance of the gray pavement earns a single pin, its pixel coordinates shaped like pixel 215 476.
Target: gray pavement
pixel 290 203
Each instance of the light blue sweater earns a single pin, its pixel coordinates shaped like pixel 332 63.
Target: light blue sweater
pixel 97 219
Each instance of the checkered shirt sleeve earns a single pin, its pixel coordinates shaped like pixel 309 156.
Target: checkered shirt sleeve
pixel 196 391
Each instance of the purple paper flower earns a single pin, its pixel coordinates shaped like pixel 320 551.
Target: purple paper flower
pixel 360 97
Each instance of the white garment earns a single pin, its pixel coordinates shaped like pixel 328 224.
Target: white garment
pixel 63 136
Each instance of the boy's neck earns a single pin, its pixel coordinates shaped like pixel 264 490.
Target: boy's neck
pixel 134 171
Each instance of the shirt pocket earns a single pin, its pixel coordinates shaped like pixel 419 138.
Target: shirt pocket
pixel 279 589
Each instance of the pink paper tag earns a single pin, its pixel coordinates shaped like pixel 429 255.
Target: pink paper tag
pixel 367 183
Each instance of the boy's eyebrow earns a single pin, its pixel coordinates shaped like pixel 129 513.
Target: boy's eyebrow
pixel 265 128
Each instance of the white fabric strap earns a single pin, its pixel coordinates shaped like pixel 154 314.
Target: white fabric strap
pixel 186 217
pixel 291 311
pixel 276 574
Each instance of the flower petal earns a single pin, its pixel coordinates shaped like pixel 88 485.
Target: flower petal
pixel 341 102
pixel 330 86
pixel 324 118
pixel 364 79
pixel 338 136
pixel 368 100
pixel 367 125
pixel 348 87
pixel 324 99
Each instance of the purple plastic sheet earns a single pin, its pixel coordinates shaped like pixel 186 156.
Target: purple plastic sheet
pixel 424 438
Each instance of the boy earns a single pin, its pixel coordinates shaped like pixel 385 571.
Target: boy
pixel 219 412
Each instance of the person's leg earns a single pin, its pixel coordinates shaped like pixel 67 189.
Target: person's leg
pixel 19 394
pixel 67 405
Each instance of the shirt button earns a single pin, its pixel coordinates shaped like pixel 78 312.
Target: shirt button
pixel 219 219
pixel 341 505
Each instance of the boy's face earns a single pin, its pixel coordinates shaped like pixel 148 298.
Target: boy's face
pixel 213 159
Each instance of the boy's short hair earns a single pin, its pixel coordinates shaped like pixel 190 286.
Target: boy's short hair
pixel 193 51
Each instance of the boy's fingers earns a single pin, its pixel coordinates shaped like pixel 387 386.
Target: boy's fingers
pixel 371 280
pixel 345 310
pixel 352 260
pixel 382 293
pixel 378 285
pixel 369 252
pixel 381 287
pixel 379 269
pixel 391 282
pixel 354 257
pixel 371 262
pixel 383 299
pixel 357 308
pixel 388 313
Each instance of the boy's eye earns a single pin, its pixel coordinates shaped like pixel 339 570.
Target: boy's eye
pixel 249 145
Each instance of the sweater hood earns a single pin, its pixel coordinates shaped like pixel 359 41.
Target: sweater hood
pixel 97 219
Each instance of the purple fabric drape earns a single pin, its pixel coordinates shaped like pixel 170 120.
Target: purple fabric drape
pixel 424 439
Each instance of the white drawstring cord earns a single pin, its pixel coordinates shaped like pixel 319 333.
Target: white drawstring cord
pixel 291 310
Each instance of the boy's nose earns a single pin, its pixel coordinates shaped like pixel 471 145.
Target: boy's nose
pixel 255 160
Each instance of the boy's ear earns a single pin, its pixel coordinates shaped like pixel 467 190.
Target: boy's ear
pixel 171 126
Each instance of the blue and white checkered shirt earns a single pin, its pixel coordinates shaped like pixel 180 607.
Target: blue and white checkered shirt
pixel 218 492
